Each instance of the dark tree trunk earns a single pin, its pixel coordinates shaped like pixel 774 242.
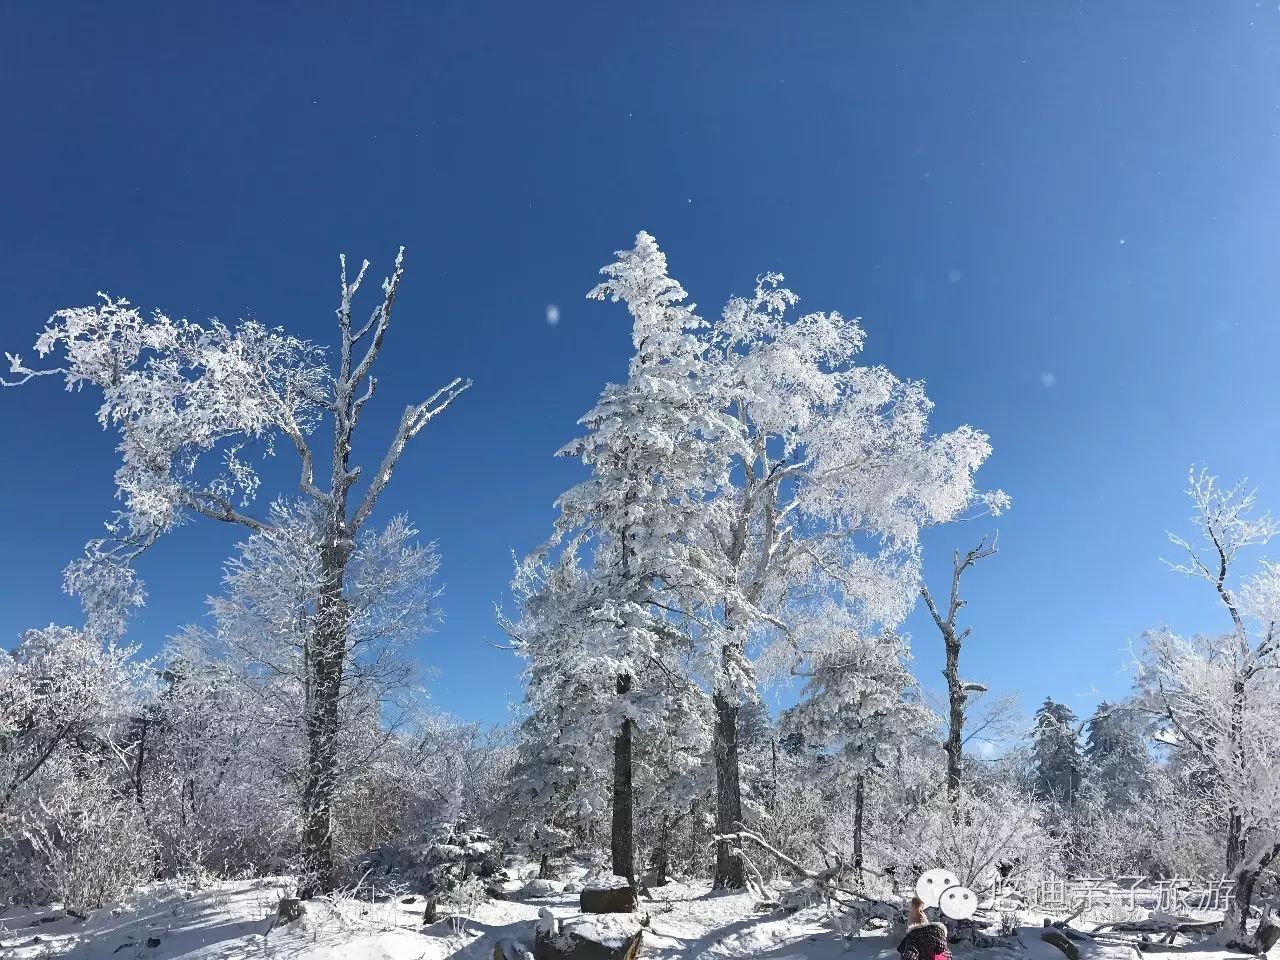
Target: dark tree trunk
pixel 694 825
pixel 544 866
pixel 1235 824
pixel 327 656
pixel 623 832
pixel 662 853
pixel 859 804
pixel 1233 839
pixel 1246 885
pixel 729 870
pixel 1246 881
pixel 954 745
pixel 773 780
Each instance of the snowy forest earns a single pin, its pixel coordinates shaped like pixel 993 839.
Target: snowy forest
pixel 748 519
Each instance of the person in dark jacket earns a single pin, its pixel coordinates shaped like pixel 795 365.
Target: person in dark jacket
pixel 924 940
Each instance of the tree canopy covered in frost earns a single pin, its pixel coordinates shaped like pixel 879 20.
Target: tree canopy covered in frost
pixel 748 480
pixel 188 402
pixel 1217 692
pixel 862 706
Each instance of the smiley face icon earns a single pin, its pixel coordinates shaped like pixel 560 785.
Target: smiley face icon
pixel 958 903
pixel 932 883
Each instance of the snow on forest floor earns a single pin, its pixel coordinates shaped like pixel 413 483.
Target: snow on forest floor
pixel 233 921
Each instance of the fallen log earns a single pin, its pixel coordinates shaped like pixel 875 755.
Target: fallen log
pixel 822 882
pixel 1162 925
pixel 1080 936
pixel 1055 937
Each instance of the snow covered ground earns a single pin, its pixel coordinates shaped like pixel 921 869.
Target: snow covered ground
pixel 233 921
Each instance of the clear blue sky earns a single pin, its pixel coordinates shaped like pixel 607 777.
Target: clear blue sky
pixel 1061 215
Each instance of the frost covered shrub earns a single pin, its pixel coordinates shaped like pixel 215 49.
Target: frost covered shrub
pixel 436 868
pixel 993 826
pixel 805 822
pixel 220 783
pixel 69 824
pixel 1168 832
pixel 1102 840
pixel 1179 834
pixel 430 773
pixel 89 849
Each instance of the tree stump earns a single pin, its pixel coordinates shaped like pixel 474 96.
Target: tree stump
pixel 1268 934
pixel 290 909
pixel 510 949
pixel 608 900
pixel 570 945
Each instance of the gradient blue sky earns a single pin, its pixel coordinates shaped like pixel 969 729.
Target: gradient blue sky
pixel 1061 215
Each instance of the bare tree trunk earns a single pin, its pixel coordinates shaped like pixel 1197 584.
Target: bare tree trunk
pixel 1235 824
pixel 1246 881
pixel 692 861
pixel 859 804
pixel 327 657
pixel 1242 904
pixel 954 744
pixel 773 781
pixel 623 832
pixel 662 853
pixel 729 869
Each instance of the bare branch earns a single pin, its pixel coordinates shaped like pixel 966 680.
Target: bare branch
pixel 379 321
pixel 411 422
pixel 217 508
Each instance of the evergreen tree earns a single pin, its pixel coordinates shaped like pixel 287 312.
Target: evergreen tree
pixel 1059 765
pixel 862 709
pixel 643 447
pixel 674 773
pixel 1118 762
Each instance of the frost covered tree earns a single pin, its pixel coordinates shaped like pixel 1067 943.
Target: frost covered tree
pixel 1116 756
pixel 1055 747
pixel 189 402
pixel 960 692
pixel 674 772
pixel 265 622
pixel 861 709
pixel 559 785
pixel 744 470
pixel 825 476
pixel 644 446
pixel 1217 693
